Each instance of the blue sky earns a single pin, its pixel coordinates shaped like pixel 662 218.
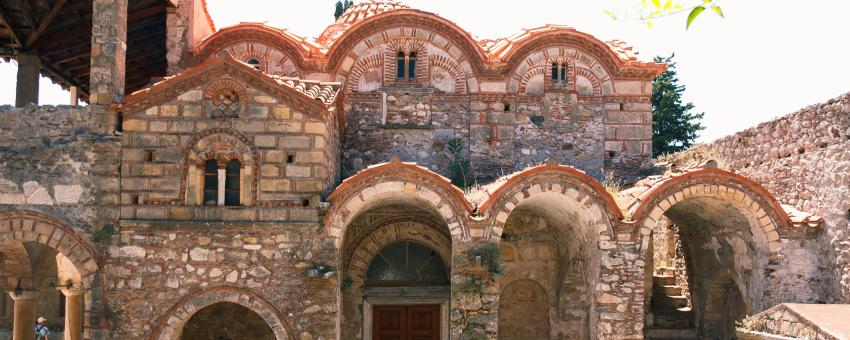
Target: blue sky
pixel 765 59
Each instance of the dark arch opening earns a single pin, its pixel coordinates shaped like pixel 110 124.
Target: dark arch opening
pixel 226 321
pixel 406 263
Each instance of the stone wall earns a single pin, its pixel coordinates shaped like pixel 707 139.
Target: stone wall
pixel 803 159
pixel 53 164
pixel 287 156
pixel 155 265
pixel 501 134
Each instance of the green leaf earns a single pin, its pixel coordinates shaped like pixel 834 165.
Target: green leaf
pixel 668 4
pixel 648 24
pixel 718 11
pixel 656 3
pixel 693 15
pixel 611 14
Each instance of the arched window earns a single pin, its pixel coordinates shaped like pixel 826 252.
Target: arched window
pixel 210 182
pixel 400 65
pixel 406 263
pixel 554 72
pixel 231 183
pixel 411 66
pixel 255 63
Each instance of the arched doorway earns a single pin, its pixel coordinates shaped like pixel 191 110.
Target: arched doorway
pixel 226 321
pixel 47 269
pixel 523 311
pixel 397 255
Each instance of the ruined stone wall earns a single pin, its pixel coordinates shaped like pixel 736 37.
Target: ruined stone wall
pixel 803 159
pixel 52 163
pixel 501 134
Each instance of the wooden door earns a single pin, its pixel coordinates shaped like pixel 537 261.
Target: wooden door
pixel 415 322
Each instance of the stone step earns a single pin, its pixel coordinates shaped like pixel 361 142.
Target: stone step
pixel 667 302
pixel 666 290
pixel 681 318
pixel 664 280
pixel 665 334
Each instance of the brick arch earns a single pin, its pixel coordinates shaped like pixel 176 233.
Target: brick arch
pixel 221 144
pixel 559 37
pixel 400 179
pixel 594 80
pixel 374 61
pixel 294 47
pixel 31 226
pixel 576 188
pixel 522 88
pixel 748 196
pixel 170 325
pixel 436 60
pixel 405 18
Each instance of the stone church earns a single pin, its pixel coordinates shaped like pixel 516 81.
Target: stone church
pixel 394 178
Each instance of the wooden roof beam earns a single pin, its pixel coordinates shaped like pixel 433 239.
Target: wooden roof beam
pixel 7 23
pixel 44 23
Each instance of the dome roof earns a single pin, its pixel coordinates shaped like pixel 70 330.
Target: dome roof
pixel 366 9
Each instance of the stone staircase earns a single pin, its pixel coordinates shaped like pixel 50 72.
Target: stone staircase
pixel 672 318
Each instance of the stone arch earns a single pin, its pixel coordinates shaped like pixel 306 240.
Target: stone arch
pixel 526 316
pixel 171 324
pixel 238 99
pixel 391 233
pixel 221 144
pixel 595 204
pixel 21 226
pixel 397 180
pixel 579 217
pixel 748 196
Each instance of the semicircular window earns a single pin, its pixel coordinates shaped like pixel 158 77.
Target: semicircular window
pixel 406 263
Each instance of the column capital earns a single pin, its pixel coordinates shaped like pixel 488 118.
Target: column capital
pixel 24 295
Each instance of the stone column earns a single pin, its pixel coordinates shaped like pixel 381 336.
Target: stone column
pixel 75 96
pixel 73 313
pixel 23 327
pixel 108 57
pixel 108 51
pixel 222 177
pixel 26 91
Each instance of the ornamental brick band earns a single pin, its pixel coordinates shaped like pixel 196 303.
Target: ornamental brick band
pixel 172 323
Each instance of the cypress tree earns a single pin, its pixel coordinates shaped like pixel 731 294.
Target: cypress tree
pixel 339 10
pixel 674 126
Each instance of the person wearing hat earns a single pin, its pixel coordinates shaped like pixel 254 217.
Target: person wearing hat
pixel 41 330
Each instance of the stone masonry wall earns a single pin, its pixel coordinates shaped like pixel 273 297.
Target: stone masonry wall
pixel 53 164
pixel 287 158
pixel 803 159
pixel 501 134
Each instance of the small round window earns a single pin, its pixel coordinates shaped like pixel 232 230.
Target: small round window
pixel 255 63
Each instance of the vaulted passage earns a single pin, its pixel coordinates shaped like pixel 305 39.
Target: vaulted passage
pixel 226 321
pixel 546 250
pixel 708 268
